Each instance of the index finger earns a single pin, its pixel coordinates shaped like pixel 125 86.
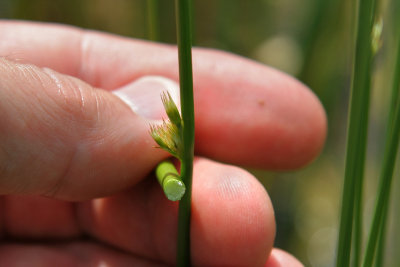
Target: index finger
pixel 246 113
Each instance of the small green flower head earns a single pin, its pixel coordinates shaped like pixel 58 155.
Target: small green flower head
pixel 168 135
pixel 171 109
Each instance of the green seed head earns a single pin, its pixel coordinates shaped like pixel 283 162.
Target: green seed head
pixel 168 135
pixel 171 109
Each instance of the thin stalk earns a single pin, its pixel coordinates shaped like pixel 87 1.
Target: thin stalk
pixel 382 204
pixel 378 226
pixel 357 130
pixel 153 26
pixel 184 40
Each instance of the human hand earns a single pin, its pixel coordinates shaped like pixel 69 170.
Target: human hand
pixel 73 158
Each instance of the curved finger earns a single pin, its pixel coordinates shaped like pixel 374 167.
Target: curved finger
pixel 62 138
pixel 246 113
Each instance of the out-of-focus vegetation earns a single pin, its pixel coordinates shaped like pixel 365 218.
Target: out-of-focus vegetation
pixel 310 39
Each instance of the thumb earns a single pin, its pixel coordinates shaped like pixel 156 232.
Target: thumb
pixel 62 138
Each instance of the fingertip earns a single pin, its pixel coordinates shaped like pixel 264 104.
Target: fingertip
pixel 280 258
pixel 257 116
pixel 232 217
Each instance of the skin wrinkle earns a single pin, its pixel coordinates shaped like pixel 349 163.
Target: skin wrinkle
pixel 22 122
pixel 71 92
pixel 57 82
pixel 97 101
pixel 230 186
pixel 8 163
pixel 55 189
pixel 32 71
pixel 37 75
pixel 9 72
pixel 55 186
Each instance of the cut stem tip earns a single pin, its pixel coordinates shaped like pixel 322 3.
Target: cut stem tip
pixel 174 189
pixel 170 181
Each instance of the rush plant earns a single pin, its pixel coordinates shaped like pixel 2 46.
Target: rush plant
pixel 350 236
pixel 177 135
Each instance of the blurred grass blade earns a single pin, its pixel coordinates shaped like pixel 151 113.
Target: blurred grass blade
pixel 357 131
pixel 153 26
pixel 381 206
pixel 394 101
pixel 376 238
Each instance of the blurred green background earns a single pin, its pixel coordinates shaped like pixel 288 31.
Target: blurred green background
pixel 309 39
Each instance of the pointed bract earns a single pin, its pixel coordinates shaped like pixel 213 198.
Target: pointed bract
pixel 168 135
pixel 171 109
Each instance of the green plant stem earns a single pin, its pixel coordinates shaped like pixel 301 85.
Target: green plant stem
pixel 357 131
pixel 378 228
pixel 170 181
pixel 394 101
pixel 153 30
pixel 184 40
pixel 382 203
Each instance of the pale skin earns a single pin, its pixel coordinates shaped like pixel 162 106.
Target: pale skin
pixel 65 140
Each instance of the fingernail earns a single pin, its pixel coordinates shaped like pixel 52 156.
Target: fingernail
pixel 144 96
